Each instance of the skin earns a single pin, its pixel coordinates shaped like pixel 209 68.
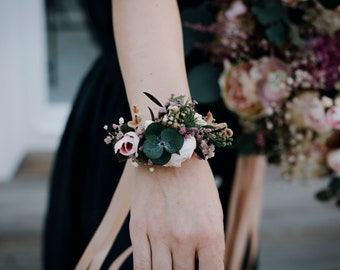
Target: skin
pixel 176 215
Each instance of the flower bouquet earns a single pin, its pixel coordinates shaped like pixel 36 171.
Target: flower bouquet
pixel 281 76
pixel 170 137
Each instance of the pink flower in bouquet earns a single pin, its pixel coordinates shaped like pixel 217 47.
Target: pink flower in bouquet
pixel 236 9
pixel 333 117
pixel 273 87
pixel 333 161
pixel 239 90
pixel 128 144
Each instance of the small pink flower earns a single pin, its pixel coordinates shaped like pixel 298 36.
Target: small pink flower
pixel 272 83
pixel 240 91
pixel 108 140
pixel 236 9
pixel 128 144
pixel 333 117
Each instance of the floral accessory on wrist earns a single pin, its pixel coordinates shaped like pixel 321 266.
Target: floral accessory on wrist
pixel 169 138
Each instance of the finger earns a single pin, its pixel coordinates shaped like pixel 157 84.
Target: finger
pixel 183 258
pixel 161 256
pixel 210 258
pixel 140 249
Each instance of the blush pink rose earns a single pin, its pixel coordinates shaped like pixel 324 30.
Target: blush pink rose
pixel 273 87
pixel 239 90
pixel 236 9
pixel 333 117
pixel 127 145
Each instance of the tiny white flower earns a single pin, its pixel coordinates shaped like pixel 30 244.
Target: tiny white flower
pixel 135 164
pixel 121 121
pixel 269 111
pixel 105 127
pixel 269 125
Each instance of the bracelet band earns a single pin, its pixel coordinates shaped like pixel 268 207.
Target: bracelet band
pixel 169 138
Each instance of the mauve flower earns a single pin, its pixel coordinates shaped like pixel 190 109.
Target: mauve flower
pixel 128 144
pixel 239 90
pixel 185 153
pixel 333 161
pixel 108 140
pixel 272 84
pixel 333 117
pixel 236 9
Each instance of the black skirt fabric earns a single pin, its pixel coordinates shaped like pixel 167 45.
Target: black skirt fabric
pixel 86 173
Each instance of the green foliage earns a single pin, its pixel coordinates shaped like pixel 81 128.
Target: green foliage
pixel 273 16
pixel 203 82
pixel 277 34
pixel 161 142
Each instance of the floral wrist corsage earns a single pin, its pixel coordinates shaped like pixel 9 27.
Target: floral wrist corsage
pixel 169 138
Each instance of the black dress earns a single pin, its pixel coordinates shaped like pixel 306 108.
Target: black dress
pixel 86 173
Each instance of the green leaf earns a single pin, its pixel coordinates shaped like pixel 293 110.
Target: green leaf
pixel 166 156
pixel 264 16
pixel 125 128
pixel 171 140
pixel 203 82
pixel 277 34
pixel 155 100
pixel 152 148
pixel 154 129
pixel 152 115
pixel 295 37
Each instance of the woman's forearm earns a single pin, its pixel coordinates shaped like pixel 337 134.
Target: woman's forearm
pixel 149 41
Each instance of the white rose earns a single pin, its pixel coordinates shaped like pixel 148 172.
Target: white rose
pixel 128 145
pixel 185 153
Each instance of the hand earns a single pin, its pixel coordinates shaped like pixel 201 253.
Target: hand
pixel 176 217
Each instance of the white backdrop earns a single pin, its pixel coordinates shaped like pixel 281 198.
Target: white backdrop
pixel 27 120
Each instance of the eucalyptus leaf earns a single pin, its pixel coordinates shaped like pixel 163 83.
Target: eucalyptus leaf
pixel 166 156
pixel 277 34
pixel 154 129
pixel 203 82
pixel 152 147
pixel 172 141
